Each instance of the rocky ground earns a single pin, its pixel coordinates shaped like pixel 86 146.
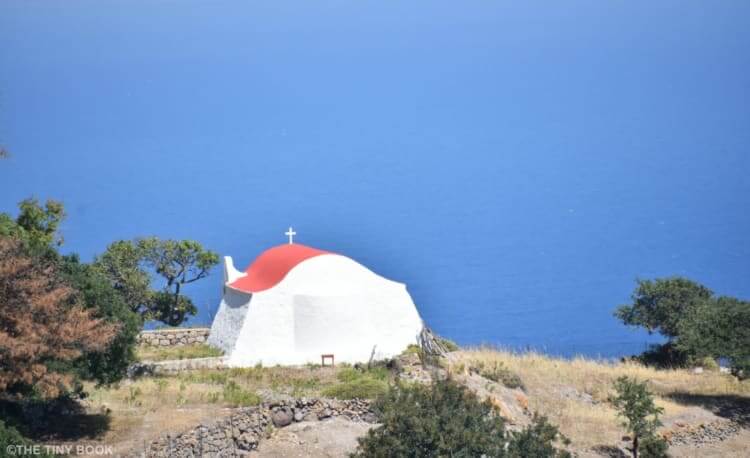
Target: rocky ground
pixel 288 427
pixel 245 429
pixel 334 438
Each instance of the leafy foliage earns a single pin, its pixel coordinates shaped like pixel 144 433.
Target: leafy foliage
pixel 95 293
pixel 235 396
pixel 179 262
pixel 697 324
pixel 121 263
pixel 719 328
pixel 359 384
pixel 635 405
pixel 497 372
pixel 536 440
pixel 446 419
pixel 35 227
pixel 10 437
pixel 659 304
pixel 448 344
pixel 43 326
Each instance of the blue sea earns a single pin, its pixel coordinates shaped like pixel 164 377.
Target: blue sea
pixel 517 164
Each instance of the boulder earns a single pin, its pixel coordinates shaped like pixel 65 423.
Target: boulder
pixel 282 417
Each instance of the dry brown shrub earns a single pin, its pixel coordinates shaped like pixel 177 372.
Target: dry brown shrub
pixel 41 323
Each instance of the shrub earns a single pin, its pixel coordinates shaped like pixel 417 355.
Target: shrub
pixel 46 328
pixel 10 436
pixel 663 356
pixel 653 447
pixel 348 374
pixel 446 419
pixel 536 440
pixel 448 344
pixel 635 405
pixel 98 295
pixel 708 363
pixel 497 372
pixel 361 388
pixel 237 397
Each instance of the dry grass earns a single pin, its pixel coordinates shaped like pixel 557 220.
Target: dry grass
pixel 209 387
pixel 152 353
pixel 142 409
pixel 548 382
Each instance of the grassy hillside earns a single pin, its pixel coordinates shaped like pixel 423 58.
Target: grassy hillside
pixel 573 393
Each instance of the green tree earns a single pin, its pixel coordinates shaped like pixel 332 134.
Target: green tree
pixel 129 266
pixel 94 290
pixel 179 262
pixel 718 328
pixel 635 405
pixel 123 264
pixel 658 305
pixel 36 225
pixel 446 419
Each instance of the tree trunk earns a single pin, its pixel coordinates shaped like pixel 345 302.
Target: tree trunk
pixel 635 446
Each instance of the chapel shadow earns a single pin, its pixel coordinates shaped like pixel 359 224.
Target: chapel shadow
pixel 729 406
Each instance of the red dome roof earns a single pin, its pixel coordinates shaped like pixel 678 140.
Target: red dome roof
pixel 272 265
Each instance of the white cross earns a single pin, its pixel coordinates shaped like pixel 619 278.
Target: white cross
pixel 291 235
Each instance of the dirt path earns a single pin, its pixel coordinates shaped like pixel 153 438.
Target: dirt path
pixel 331 438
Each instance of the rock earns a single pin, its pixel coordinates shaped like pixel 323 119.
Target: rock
pixel 282 417
pixel 697 370
pixel 326 413
pixel 298 416
pixel 310 416
pixel 247 441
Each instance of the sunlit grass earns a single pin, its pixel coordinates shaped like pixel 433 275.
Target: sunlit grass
pixel 546 379
pixel 154 353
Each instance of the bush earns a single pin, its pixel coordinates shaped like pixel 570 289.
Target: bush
pixel 361 388
pixel 497 372
pixel 97 294
pixel 663 356
pixel 708 363
pixel 412 349
pixel 536 440
pixel 36 303
pixel 446 419
pixel 237 397
pixel 653 447
pixel 448 344
pixel 635 405
pixel 10 436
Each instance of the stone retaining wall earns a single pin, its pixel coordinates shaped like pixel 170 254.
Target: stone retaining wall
pixel 240 433
pixel 173 366
pixel 173 337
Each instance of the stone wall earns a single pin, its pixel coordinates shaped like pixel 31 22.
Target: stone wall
pixel 173 366
pixel 241 432
pixel 173 337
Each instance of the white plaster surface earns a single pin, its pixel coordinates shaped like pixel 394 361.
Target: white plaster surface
pixel 328 304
